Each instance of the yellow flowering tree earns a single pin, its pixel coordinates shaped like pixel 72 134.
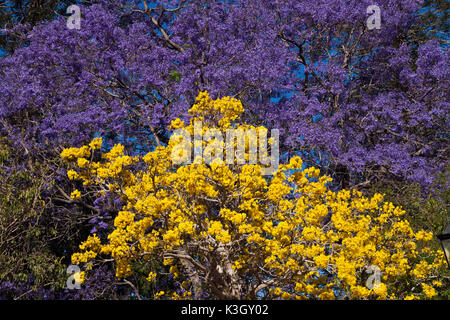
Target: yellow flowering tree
pixel 229 232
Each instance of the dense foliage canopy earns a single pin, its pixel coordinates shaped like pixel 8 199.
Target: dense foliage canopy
pixel 367 107
pixel 228 233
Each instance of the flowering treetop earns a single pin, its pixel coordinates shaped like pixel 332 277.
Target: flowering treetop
pixel 370 101
pixel 225 231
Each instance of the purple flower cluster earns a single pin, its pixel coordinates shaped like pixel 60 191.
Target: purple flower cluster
pixel 101 284
pixel 126 73
pixel 362 104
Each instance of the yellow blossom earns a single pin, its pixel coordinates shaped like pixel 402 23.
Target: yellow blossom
pixel 75 194
pixel 222 225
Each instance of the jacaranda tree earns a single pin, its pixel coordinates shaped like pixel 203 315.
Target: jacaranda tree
pixel 366 101
pixel 364 105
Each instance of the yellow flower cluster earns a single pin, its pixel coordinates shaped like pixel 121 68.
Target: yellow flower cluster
pixel 75 153
pixel 76 194
pixel 224 110
pixel 79 277
pixel 289 233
